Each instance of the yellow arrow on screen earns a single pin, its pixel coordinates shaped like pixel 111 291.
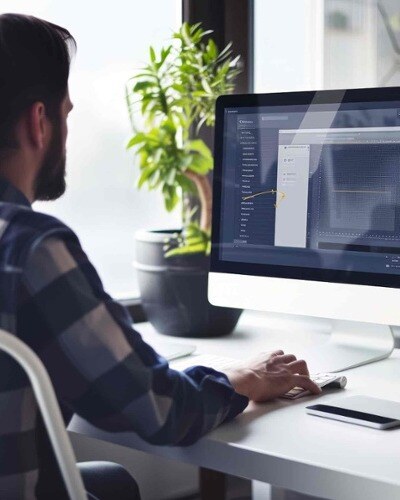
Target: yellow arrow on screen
pixel 270 191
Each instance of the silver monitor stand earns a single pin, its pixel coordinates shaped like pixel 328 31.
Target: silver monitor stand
pixel 351 344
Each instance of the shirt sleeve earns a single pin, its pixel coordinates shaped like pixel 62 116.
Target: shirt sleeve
pixel 100 366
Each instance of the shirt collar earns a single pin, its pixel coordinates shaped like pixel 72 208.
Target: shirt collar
pixel 10 194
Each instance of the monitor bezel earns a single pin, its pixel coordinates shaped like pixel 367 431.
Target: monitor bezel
pixel 339 96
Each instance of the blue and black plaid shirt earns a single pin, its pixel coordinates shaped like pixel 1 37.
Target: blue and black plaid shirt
pixel 52 298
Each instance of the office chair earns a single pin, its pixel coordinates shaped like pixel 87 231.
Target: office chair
pixel 48 405
pixel 116 479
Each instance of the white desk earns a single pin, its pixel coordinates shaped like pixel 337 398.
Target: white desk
pixel 277 442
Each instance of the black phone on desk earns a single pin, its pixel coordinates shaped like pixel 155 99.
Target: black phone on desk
pixel 360 410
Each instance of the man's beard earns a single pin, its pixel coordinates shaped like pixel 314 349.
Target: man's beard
pixel 50 182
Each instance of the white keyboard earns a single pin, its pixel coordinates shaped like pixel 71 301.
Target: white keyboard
pixel 322 380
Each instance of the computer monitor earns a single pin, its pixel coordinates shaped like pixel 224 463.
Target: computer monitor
pixel 306 214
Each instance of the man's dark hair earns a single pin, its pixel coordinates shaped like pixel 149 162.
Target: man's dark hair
pixel 35 58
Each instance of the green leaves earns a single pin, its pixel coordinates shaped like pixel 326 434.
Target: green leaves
pixel 204 71
pixel 192 240
pixel 171 197
pixel 175 94
pixel 200 155
pixel 200 165
pixel 186 184
pixel 136 139
pixel 211 50
pixel 200 147
pixel 146 175
pixel 152 55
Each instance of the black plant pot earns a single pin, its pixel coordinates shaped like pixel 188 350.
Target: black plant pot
pixel 174 291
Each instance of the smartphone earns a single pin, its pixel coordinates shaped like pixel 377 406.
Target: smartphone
pixel 352 416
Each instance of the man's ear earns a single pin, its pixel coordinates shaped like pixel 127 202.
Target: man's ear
pixel 38 125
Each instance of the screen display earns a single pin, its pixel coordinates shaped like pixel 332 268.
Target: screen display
pixel 310 187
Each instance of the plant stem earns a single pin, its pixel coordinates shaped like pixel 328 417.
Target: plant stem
pixel 203 186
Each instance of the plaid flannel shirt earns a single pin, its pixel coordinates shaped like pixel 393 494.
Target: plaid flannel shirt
pixel 52 298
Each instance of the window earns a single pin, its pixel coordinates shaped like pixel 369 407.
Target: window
pixel 102 204
pixel 322 44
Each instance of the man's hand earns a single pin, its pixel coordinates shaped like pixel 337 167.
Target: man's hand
pixel 271 375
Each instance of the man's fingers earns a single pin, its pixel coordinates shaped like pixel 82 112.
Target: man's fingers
pixel 273 354
pixel 306 383
pixel 299 366
pixel 286 358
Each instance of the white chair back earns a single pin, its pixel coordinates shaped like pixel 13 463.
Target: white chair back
pixel 50 410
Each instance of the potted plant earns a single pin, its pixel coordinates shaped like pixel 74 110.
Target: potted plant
pixel 175 94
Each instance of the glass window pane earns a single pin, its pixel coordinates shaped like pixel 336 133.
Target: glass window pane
pixel 311 44
pixel 102 204
pixel 282 45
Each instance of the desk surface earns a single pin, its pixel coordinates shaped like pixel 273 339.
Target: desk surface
pixel 278 442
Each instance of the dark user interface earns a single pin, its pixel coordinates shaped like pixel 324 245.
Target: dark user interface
pixel 312 186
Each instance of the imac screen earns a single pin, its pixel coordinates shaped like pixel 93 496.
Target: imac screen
pixel 310 187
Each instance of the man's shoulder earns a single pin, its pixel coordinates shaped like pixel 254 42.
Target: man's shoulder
pixel 25 228
pixel 38 223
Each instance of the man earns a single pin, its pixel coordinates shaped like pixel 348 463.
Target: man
pixel 52 298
